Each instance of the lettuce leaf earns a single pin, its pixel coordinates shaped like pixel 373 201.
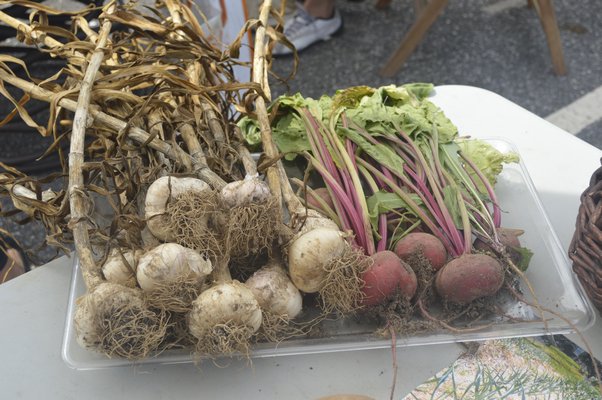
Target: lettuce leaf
pixel 380 111
pixel 486 157
pixel 250 131
pixel 383 202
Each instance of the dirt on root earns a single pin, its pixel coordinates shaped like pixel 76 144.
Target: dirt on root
pixel 249 230
pixel 224 339
pixel 192 216
pixel 175 295
pixel 428 312
pixel 132 332
pixel 343 290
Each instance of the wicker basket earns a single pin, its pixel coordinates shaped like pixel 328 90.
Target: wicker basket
pixel 586 247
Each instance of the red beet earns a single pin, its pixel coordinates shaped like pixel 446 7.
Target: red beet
pixel 469 277
pixel 387 275
pixel 430 245
pixel 509 238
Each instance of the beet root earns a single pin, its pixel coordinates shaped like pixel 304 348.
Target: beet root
pixel 430 245
pixel 508 237
pixel 469 277
pixel 387 275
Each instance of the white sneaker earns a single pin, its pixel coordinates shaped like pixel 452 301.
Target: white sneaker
pixel 303 30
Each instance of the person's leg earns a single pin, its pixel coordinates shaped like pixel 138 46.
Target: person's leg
pixel 319 8
pixel 314 21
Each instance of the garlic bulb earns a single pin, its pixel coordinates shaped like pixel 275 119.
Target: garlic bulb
pixel 120 267
pixel 248 191
pixel 169 262
pixel 274 291
pixel 98 304
pixel 309 253
pixel 158 196
pixel 315 220
pixel 229 303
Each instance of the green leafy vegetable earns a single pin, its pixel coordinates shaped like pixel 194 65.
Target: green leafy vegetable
pixel 290 136
pixel 525 257
pixel 450 199
pixel 251 132
pixel 486 157
pixel 384 202
pixel 380 152
pixel 419 89
pixel 378 111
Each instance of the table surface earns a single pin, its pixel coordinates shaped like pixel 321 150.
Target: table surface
pixel 33 307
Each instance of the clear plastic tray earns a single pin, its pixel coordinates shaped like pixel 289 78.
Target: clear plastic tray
pixel 549 273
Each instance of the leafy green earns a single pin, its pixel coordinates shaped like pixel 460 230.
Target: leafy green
pixel 384 202
pixel 380 111
pixel 446 130
pixel 419 89
pixel 393 107
pixel 524 258
pixel 380 152
pixel 350 97
pixel 250 130
pixel 290 136
pixel 450 199
pixel 486 157
pixel 319 108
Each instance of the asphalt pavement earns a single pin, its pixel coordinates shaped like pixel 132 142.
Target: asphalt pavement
pixel 497 45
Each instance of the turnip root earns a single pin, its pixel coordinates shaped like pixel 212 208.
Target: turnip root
pixel 431 247
pixel 308 255
pixel 115 320
pixel 275 292
pixel 469 277
pixel 120 267
pixel 172 275
pixel 387 275
pixel 160 193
